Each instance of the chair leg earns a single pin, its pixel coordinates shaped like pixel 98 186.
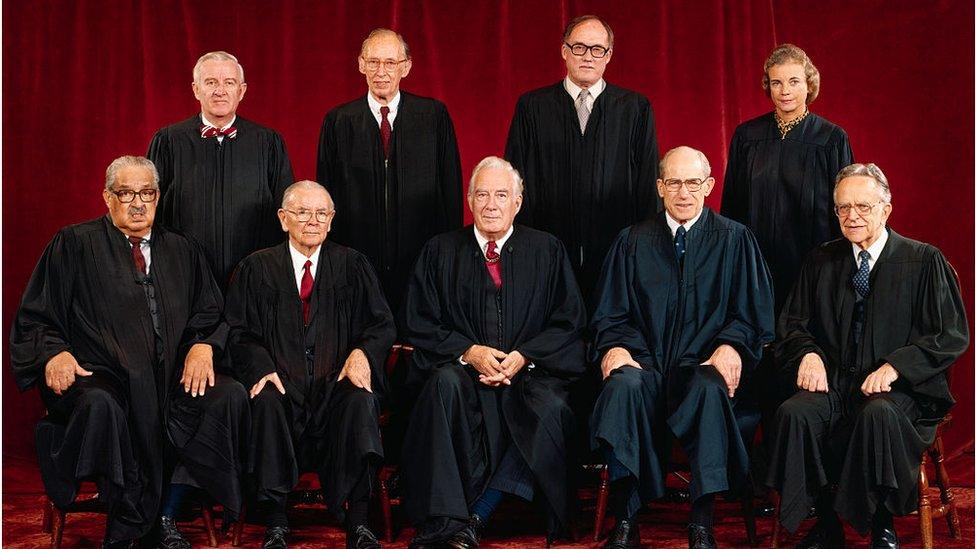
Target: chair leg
pixel 46 521
pixel 776 526
pixel 209 525
pixel 235 539
pixel 57 530
pixel 924 507
pixel 603 493
pixel 945 492
pixel 386 509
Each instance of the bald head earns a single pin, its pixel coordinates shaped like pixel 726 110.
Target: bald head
pixel 685 182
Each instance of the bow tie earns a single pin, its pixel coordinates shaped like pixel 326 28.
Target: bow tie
pixel 209 131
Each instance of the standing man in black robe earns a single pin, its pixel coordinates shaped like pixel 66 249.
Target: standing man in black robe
pixel 221 176
pixel 113 309
pixel 495 318
pixel 588 153
pixel 685 304
pixel 390 160
pixel 310 332
pixel 867 336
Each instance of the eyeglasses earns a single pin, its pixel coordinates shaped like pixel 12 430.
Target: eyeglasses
pixel 674 185
pixel 844 210
pixel 579 50
pixel 387 64
pixel 304 216
pixel 126 195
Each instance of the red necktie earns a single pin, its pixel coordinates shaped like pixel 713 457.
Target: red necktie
pixel 493 262
pixel 137 257
pixel 385 131
pixel 306 290
pixel 207 130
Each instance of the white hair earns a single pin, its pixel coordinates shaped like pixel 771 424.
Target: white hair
pixel 305 185
pixel 865 170
pixel 706 167
pixel 495 162
pixel 122 162
pixel 216 56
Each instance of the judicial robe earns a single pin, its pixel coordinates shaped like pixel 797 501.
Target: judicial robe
pixel 387 208
pixel 915 320
pixel 782 189
pixel 671 317
pixel 268 335
pixel 86 297
pixel 584 188
pixel 224 194
pixel 453 448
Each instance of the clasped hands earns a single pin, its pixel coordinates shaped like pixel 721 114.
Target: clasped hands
pixel 725 360
pixel 812 376
pixel 494 367
pixel 356 368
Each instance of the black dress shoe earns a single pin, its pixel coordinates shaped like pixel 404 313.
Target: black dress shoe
pixel 361 537
pixel 884 538
pixel 469 536
pixel 625 535
pixel 823 535
pixel 274 538
pixel 700 537
pixel 169 536
pixel 117 544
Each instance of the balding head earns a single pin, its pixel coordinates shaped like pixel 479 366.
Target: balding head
pixel 685 182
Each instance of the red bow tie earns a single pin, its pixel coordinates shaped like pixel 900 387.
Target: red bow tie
pixel 209 131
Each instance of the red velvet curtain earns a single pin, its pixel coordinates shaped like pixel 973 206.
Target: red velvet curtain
pixel 89 80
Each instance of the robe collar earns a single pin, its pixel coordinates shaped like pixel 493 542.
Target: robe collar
pixel 673 225
pixel 875 250
pixel 500 243
pixel 298 260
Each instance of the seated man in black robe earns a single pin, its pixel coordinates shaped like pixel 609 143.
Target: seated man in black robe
pixel 685 304
pixel 114 308
pixel 495 317
pixel 867 336
pixel 310 332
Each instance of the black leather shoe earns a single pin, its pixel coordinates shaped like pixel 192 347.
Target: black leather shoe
pixel 169 536
pixel 884 538
pixel 274 538
pixel 823 535
pixel 700 537
pixel 117 544
pixel 625 535
pixel 361 537
pixel 469 536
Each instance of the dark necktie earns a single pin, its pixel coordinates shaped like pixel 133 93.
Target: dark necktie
pixel 137 257
pixel 207 130
pixel 305 292
pixel 860 278
pixel 679 242
pixel 385 130
pixel 493 262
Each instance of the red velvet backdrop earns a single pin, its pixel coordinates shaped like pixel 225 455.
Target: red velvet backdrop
pixel 89 80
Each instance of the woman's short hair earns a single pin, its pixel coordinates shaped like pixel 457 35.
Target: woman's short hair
pixel 788 53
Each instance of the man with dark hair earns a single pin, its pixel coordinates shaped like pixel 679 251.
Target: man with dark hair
pixel 866 337
pixel 114 308
pixel 587 150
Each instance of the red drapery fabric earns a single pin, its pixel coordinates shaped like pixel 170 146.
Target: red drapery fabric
pixel 88 80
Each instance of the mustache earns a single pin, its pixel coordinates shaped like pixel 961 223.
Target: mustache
pixel 133 210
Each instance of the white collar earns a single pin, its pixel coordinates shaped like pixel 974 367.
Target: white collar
pixel 483 241
pixel 374 105
pixel 673 225
pixel 573 90
pixel 207 122
pixel 298 259
pixel 874 249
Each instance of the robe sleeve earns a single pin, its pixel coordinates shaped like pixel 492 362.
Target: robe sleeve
pixel 326 153
pixel 280 175
pixel 794 338
pixel 161 155
pixel 735 200
pixel 40 329
pixel 839 156
pixel 249 358
pixel 421 316
pixel 612 324
pixel 516 152
pixel 205 323
pixel 375 326
pixel 940 332
pixel 553 347
pixel 645 149
pixel 750 314
pixel 449 172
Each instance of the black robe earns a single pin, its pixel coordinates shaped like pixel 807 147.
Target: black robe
pixel 224 195
pixel 445 467
pixel 268 335
pixel 782 189
pixel 388 208
pixel 915 320
pixel 85 297
pixel 585 188
pixel 671 320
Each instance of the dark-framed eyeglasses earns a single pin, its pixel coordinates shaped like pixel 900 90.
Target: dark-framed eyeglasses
pixel 304 216
pixel 844 210
pixel 579 50
pixel 693 185
pixel 389 65
pixel 127 195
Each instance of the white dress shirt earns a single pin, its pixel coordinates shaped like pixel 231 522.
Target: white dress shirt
pixel 146 250
pixel 595 90
pixel 298 260
pixel 374 107
pixel 220 138
pixel 483 241
pixel 874 250
pixel 673 225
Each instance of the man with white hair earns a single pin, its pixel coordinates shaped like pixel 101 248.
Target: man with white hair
pixel 495 318
pixel 221 176
pixel 866 339
pixel 310 332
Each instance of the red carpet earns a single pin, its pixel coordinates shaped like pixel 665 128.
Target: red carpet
pixel 662 526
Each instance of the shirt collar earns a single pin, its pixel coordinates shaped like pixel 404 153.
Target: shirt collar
pixel 298 259
pixel 145 239
pixel 673 225
pixel 208 123
pixel 500 243
pixel 573 90
pixel 874 249
pixel 375 105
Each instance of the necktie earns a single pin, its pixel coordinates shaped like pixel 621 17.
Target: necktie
pixel 493 262
pixel 860 278
pixel 305 292
pixel 385 130
pixel 679 242
pixel 582 111
pixel 207 130
pixel 137 257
